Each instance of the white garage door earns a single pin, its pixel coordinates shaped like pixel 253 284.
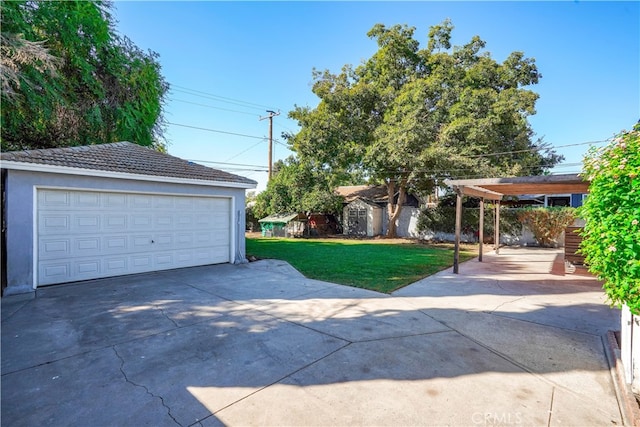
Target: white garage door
pixel 89 234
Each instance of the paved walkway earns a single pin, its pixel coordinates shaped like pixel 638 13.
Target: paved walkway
pixel 509 341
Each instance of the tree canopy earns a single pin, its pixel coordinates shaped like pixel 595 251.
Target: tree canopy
pixel 68 78
pixel 297 187
pixel 411 116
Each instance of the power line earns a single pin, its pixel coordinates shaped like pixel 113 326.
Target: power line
pixel 226 163
pixel 551 147
pixel 213 95
pixel 244 151
pixel 218 98
pixel 216 131
pixel 212 106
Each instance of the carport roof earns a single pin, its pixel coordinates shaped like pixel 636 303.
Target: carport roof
pixel 120 160
pixel 495 188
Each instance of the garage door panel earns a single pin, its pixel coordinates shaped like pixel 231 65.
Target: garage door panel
pixel 141 221
pixel 142 242
pixel 142 262
pixel 163 202
pixel 87 245
pixel 116 222
pixel 52 223
pixel 86 223
pixel 141 201
pixel 164 260
pixel 86 199
pixel 114 266
pixel 54 199
pixel 54 272
pixel 164 221
pixel 115 244
pixel 164 240
pixel 115 200
pixel 88 267
pixel 54 248
pixel 91 234
pixel 184 221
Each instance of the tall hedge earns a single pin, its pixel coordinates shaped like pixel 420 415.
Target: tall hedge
pixel 611 237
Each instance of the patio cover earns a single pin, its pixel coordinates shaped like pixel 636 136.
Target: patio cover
pixel 495 188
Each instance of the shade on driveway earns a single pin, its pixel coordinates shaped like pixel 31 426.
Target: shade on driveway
pixel 259 344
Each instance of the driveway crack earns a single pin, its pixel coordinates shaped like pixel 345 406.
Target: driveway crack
pixel 553 392
pixel 167 316
pixel 124 374
pixel 507 302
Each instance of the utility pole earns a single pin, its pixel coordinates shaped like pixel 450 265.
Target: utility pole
pixel 271 115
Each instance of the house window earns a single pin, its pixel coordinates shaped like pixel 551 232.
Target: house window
pixel 557 200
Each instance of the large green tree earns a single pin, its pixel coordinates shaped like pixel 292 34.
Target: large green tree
pixel 68 78
pixel 409 116
pixel 298 187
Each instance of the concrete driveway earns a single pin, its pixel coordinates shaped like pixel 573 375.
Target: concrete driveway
pixel 507 342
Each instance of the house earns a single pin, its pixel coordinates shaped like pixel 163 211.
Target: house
pixel 283 225
pixel 365 211
pixel 80 213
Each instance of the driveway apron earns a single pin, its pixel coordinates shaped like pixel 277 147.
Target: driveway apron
pixel 509 341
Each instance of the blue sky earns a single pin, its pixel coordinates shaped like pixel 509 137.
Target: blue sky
pixel 252 56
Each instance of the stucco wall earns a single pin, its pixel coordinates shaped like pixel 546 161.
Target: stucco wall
pixel 20 199
pixel 406 225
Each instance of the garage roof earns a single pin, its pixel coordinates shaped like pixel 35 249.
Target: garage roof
pixel 121 160
pixel 495 188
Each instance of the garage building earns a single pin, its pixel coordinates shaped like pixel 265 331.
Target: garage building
pixel 81 213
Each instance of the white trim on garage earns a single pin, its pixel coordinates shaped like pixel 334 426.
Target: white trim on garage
pixel 38 167
pixel 231 227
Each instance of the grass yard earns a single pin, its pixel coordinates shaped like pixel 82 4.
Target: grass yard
pixel 382 267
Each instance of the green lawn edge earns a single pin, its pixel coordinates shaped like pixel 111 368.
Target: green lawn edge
pixel 380 267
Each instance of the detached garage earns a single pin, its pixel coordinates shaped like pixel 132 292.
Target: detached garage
pixel 83 213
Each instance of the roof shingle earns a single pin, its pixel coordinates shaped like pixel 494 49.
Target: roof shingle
pixel 123 157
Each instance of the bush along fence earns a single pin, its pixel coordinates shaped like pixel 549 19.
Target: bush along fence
pixel 611 237
pixel 518 226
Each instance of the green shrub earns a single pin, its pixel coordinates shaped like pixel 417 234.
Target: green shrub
pixel 611 236
pixel 547 224
pixel 443 219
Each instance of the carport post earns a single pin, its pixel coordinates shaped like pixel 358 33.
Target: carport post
pixel 497 228
pixel 456 249
pixel 481 229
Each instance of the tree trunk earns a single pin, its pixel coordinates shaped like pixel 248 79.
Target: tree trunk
pixel 394 209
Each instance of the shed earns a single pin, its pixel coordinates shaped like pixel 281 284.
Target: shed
pixel 283 225
pixel 79 213
pixel 362 218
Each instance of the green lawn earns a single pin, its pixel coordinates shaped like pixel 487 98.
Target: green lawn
pixel 382 267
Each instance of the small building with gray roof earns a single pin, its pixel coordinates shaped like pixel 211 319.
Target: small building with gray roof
pixel 80 213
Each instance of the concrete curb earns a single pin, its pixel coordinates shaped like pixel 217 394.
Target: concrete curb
pixel 626 399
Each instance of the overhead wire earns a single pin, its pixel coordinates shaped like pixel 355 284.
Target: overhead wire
pixel 216 130
pixel 214 107
pixel 251 105
pixel 212 95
